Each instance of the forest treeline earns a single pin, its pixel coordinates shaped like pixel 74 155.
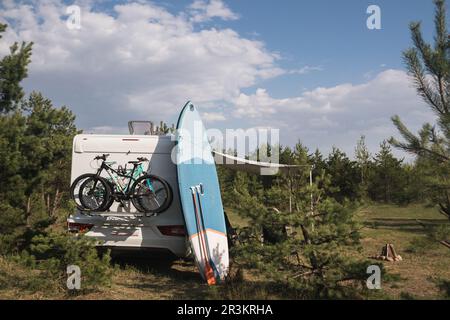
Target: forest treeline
pixel 35 160
pixel 362 177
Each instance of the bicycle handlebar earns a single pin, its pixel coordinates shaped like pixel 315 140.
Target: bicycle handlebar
pixel 102 157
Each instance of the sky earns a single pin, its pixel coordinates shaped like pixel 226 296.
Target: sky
pixel 312 69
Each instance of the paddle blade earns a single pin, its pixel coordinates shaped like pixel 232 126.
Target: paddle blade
pixel 209 275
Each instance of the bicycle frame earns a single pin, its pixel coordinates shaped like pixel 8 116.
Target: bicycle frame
pixel 147 193
pixel 136 172
pixel 121 192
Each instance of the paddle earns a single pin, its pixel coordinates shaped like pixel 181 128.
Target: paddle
pixel 209 272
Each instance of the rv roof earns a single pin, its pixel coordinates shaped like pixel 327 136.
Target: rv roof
pixel 106 143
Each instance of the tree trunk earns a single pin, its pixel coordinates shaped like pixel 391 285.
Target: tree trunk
pixel 56 201
pixel 312 257
pixel 28 206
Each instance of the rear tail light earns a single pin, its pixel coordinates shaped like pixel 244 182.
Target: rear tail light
pixel 175 231
pixel 79 227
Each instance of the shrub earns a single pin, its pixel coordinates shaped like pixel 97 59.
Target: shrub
pixel 52 253
pixel 444 287
pixel 421 245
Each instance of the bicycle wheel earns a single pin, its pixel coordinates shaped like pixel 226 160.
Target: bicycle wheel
pixel 151 194
pixel 111 197
pixel 95 194
pixel 75 189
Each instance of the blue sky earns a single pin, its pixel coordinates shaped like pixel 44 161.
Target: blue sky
pixel 331 34
pixel 309 68
pixel 327 33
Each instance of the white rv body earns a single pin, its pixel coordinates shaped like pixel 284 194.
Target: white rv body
pixel 127 228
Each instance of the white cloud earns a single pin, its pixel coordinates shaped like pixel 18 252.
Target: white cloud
pixel 141 61
pixel 213 116
pixel 107 130
pixel 339 115
pixel 261 104
pixel 305 70
pixel 203 10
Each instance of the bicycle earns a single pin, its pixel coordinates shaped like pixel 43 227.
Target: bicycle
pixel 148 193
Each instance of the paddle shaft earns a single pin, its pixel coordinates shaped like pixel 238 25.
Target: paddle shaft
pixel 209 272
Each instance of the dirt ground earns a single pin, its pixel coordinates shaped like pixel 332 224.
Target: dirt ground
pixel 424 263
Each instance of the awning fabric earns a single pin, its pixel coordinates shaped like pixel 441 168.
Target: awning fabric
pixel 251 166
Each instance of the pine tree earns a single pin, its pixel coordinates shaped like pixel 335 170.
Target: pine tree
pixel 429 68
pixel 46 150
pixel 414 189
pixel 35 149
pixel 318 162
pixel 307 258
pixel 35 155
pixel 344 176
pixel 387 180
pixel 163 128
pixel 362 156
pixel 13 69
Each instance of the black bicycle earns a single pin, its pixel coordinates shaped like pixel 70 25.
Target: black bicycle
pixel 147 192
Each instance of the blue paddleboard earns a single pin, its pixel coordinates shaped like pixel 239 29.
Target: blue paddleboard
pixel 200 196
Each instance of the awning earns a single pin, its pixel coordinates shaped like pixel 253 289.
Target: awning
pixel 251 166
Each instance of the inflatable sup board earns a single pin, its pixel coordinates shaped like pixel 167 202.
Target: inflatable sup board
pixel 200 196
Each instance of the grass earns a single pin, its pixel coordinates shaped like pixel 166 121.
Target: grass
pixel 19 282
pixel 424 269
pixel 236 220
pixel 146 279
pixel 424 261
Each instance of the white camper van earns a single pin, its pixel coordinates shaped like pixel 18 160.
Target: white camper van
pixel 122 227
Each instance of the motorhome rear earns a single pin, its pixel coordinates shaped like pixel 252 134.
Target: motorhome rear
pixel 123 227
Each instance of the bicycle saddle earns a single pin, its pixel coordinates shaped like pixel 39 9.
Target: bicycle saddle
pixel 139 160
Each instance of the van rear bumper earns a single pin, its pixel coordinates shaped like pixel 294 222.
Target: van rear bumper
pixel 140 252
pixel 130 234
pixel 165 249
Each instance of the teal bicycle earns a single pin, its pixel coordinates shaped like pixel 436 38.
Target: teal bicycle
pixel 148 193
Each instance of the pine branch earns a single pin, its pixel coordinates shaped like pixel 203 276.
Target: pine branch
pixel 416 71
pixel 2 29
pixel 332 238
pixel 413 144
pixel 441 50
pixel 441 26
pixel 422 47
